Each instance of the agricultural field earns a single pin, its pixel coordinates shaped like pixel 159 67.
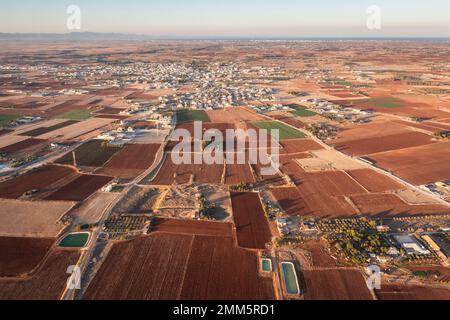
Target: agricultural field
pixel 290 200
pixel 32 218
pixel 21 146
pixel 185 115
pixel 373 181
pixel 80 189
pixel 412 292
pixel 191 227
pixel 419 165
pixel 335 284
pixel 19 256
pixel 299 146
pixel 301 111
pixel 6 120
pixel 367 146
pixel 131 161
pixel 42 130
pixel 40 179
pixel 179 266
pixel 94 153
pixel 385 205
pixel 238 173
pixel 285 132
pixel 76 115
pixel 233 115
pixel 48 283
pixel 252 226
pixel 170 173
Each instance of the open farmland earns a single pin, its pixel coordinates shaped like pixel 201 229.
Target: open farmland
pixel 374 181
pixel 285 132
pixel 335 284
pixel 233 115
pixel 252 227
pixel 131 160
pixel 419 165
pixel 186 115
pixel 32 218
pixel 238 173
pixel 19 256
pixel 22 145
pixel 290 200
pixel 93 153
pixel 79 129
pixel 48 283
pixel 42 130
pixel 299 145
pixel 191 227
pixel 170 173
pixel 385 205
pixel 80 189
pixel 186 267
pixel 38 179
pixel 412 292
pixel 359 147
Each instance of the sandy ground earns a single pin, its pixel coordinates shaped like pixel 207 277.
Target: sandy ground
pixel 32 219
pixel 10 139
pixel 91 210
pixel 77 129
pixel 337 160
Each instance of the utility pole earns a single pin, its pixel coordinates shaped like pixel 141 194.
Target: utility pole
pixel 74 159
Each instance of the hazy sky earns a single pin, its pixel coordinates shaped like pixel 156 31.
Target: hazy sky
pixel 231 17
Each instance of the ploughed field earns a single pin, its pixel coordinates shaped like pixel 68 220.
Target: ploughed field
pixel 180 266
pixel 47 283
pixel 252 227
pixel 19 256
pixel 131 160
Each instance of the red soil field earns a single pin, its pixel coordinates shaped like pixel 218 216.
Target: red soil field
pixel 294 122
pixel 337 284
pixel 320 258
pixel 420 165
pixel 412 292
pixel 384 205
pixel 22 145
pixel 109 110
pixel 332 183
pixel 374 181
pixel 19 256
pixel 181 174
pixel 290 200
pixel 299 145
pixel 131 160
pixel 222 127
pixel 4 131
pixel 186 267
pixel 48 283
pixel 80 189
pixel 37 179
pixel 112 116
pixel 428 126
pixel 238 173
pixel 190 227
pixel 373 145
pixel 252 227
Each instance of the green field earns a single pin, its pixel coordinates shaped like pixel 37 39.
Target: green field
pixel 186 115
pixel 76 115
pixel 286 132
pixel 75 240
pixel 385 102
pixel 301 111
pixel 6 120
pixel 94 153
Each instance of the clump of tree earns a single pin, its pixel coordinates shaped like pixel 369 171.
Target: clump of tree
pixel 242 187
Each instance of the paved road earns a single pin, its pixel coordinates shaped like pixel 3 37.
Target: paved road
pixel 88 254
